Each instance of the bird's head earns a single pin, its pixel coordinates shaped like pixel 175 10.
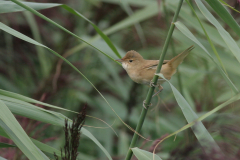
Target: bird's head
pixel 131 60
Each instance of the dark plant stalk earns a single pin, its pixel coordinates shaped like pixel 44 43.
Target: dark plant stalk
pixel 172 46
pixel 155 78
pixel 72 137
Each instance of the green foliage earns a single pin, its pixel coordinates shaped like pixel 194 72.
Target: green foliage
pixel 41 91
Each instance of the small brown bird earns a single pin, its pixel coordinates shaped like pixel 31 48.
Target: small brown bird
pixel 142 71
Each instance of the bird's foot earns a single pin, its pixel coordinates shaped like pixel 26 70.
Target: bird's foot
pixel 153 85
pixel 144 104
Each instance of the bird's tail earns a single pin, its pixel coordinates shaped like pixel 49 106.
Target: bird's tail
pixel 174 62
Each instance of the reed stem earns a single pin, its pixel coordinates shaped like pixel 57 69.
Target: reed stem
pixel 155 78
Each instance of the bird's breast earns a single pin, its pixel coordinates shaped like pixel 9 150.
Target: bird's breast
pixel 144 76
pixel 140 76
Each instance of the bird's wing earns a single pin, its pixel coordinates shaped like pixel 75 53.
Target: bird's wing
pixel 153 64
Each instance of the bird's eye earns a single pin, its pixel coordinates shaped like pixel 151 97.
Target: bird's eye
pixel 130 60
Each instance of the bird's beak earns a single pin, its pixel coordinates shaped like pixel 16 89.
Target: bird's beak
pixel 119 60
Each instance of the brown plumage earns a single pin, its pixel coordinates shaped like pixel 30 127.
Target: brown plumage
pixel 142 71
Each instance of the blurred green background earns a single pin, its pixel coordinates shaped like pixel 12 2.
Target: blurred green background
pixel 131 25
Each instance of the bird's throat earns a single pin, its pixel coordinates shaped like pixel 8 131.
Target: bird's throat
pixel 125 66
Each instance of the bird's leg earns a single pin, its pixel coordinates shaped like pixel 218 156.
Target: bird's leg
pixel 160 90
pixel 157 85
pixel 144 106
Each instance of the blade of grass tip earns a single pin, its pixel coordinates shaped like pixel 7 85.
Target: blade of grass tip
pixel 233 99
pixel 225 15
pixel 224 34
pixel 14 130
pixel 209 40
pixel 188 34
pixel 155 78
pixel 27 39
pixel 203 136
pixel 64 29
